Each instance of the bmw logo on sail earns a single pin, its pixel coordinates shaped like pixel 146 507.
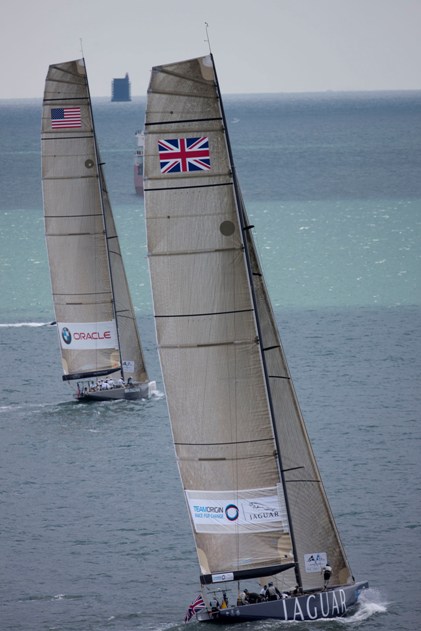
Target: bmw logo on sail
pixel 66 335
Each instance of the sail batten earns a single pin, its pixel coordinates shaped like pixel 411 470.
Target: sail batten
pixel 187 120
pixel 169 188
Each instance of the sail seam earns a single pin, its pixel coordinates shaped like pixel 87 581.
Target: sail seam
pixel 67 137
pixel 178 75
pixel 211 313
pixel 68 216
pixel 184 120
pixel 304 480
pixel 237 442
pixel 176 93
pixel 176 188
pixel 233 459
pixel 80 293
pixel 210 345
pixel 69 98
pixel 72 234
pixel 72 177
pixel 190 252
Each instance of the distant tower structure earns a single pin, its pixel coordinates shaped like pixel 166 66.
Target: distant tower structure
pixel 121 89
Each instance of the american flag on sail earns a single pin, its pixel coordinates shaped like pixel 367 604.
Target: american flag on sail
pixel 182 155
pixel 65 118
pixel 196 606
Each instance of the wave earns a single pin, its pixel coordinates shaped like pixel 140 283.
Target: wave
pixel 370 603
pixel 19 324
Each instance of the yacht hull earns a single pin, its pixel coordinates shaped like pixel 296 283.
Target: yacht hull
pixel 330 603
pixel 138 391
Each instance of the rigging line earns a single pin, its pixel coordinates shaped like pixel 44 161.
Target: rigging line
pixel 184 120
pixel 211 313
pixel 279 377
pixel 176 188
pixel 69 81
pixel 270 348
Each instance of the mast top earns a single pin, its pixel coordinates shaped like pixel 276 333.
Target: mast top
pixel 207 37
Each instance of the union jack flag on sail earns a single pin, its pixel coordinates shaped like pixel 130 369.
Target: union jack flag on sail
pixel 196 606
pixel 182 155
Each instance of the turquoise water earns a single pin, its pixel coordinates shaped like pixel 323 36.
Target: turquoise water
pixel 314 254
pixel 93 529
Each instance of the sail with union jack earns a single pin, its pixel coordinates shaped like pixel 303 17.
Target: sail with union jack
pixel 182 155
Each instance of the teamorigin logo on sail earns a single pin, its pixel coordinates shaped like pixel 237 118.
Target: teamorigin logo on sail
pixel 253 510
pixel 87 335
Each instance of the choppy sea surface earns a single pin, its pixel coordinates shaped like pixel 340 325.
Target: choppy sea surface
pixel 94 533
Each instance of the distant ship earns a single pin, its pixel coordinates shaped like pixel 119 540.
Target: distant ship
pixel 138 163
pixel 121 89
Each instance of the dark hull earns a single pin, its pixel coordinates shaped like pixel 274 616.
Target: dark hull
pixel 141 391
pixel 331 603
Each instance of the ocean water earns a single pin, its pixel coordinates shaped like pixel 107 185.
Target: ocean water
pixel 94 533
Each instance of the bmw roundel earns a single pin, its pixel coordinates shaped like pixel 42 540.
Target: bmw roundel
pixel 231 512
pixel 66 335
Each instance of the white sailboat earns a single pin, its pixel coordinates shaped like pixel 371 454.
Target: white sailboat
pixel 256 502
pixel 99 340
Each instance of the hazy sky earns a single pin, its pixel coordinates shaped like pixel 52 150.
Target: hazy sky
pixel 258 45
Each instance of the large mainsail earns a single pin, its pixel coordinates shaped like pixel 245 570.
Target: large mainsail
pixel 95 317
pixel 253 491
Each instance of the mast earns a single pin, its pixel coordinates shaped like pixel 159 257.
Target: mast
pixel 244 228
pixel 101 186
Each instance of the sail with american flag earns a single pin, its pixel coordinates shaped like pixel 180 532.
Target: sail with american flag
pixel 96 320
